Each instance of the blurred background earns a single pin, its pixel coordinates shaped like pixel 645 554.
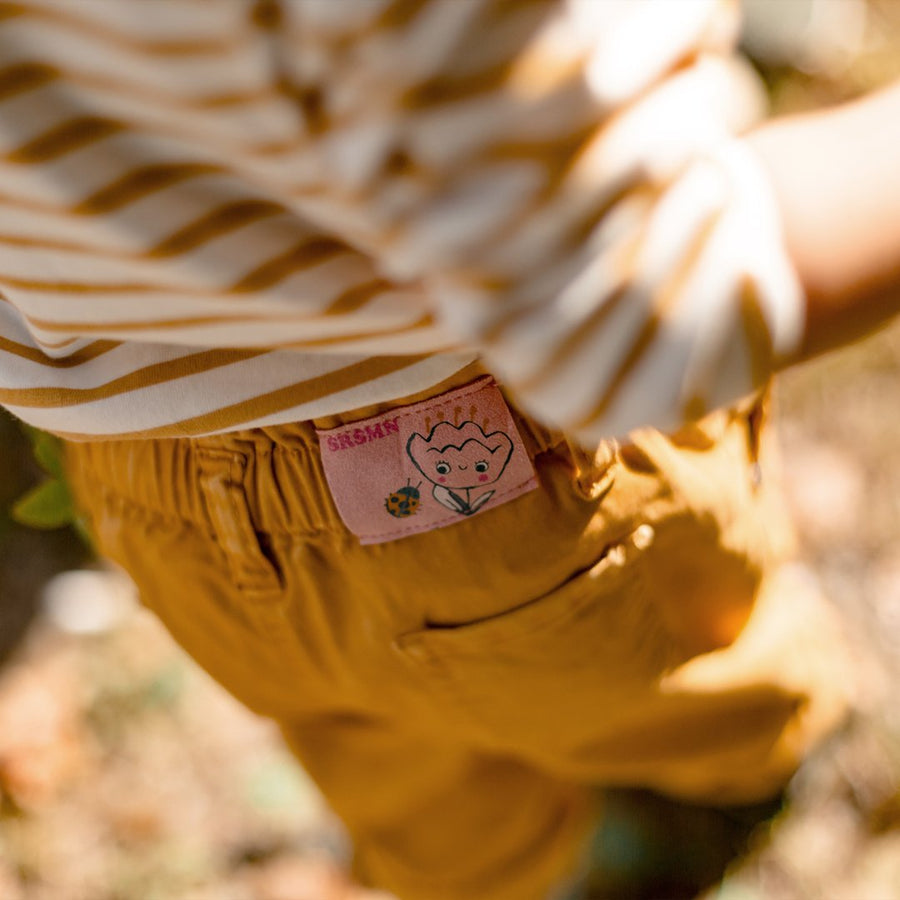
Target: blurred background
pixel 125 774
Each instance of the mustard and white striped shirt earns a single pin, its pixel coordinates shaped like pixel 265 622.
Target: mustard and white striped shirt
pixel 218 214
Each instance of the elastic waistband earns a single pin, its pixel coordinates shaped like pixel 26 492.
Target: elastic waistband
pixel 278 469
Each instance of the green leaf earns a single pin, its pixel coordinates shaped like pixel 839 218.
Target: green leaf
pixel 48 451
pixel 49 505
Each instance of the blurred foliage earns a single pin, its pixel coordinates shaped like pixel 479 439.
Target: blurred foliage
pixel 29 558
pixel 49 504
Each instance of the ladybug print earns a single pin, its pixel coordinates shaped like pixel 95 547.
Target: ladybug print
pixel 403 502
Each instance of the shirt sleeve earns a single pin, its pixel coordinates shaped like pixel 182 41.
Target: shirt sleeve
pixel 554 184
pixel 565 181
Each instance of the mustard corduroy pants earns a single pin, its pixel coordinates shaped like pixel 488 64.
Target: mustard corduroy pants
pixel 459 695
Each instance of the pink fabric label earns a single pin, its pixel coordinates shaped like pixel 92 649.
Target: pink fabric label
pixel 427 465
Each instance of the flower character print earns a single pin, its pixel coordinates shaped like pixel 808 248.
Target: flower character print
pixel 414 468
pixel 459 460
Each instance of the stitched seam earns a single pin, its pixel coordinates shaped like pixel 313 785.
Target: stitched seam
pixel 440 400
pixel 314 498
pixel 249 566
pixel 141 511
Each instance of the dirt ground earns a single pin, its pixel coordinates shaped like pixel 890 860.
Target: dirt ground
pixel 125 774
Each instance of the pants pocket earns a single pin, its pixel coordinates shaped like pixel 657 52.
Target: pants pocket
pixel 550 676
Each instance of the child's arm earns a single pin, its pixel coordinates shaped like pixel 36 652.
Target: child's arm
pixel 837 177
pixel 564 180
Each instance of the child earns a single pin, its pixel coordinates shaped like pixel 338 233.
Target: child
pixel 262 264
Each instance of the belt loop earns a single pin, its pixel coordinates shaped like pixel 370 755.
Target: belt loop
pixel 222 488
pixel 594 469
pixel 536 437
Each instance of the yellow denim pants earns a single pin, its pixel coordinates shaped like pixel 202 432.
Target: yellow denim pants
pixel 459 695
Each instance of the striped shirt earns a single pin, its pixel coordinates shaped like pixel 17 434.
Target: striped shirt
pixel 221 214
